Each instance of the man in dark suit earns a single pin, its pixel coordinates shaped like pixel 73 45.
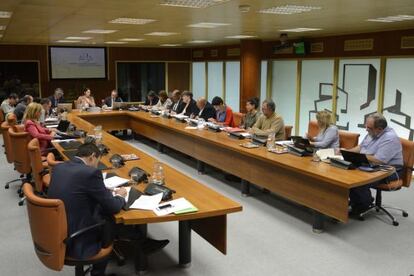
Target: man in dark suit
pixel 79 184
pixel 190 105
pixel 206 112
pixel 111 99
pixel 57 98
pixel 152 99
pixel 178 104
pixel 21 107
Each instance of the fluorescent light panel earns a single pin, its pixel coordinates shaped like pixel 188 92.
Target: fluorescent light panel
pixel 99 31
pixel 299 30
pixel 195 4
pixel 208 25
pixel 78 37
pixel 240 36
pixel 5 14
pixel 390 19
pixel 115 42
pixel 132 21
pixel 131 39
pixel 2 28
pixel 161 33
pixel 289 9
pixel 199 41
pixel 68 41
pixel 170 45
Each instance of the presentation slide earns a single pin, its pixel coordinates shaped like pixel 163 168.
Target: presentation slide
pixel 77 63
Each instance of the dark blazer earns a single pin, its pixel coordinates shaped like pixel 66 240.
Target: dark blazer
pixel 19 111
pixel 207 113
pixel 82 190
pixel 55 102
pixel 108 101
pixel 154 101
pixel 178 107
pixel 191 109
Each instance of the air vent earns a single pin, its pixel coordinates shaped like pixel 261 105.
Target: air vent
pixel 214 53
pixel 407 42
pixel 359 44
pixel 233 52
pixel 198 54
pixel 316 47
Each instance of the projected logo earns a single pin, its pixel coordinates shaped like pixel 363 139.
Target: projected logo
pixel 85 58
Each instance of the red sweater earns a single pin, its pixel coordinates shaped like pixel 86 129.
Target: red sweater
pixel 41 133
pixel 229 121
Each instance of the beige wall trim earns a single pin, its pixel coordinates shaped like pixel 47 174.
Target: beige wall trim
pixel 298 92
pixel 383 68
pixel 335 89
pixel 269 79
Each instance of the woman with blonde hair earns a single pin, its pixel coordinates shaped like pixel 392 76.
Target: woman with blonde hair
pixel 86 100
pixel 36 130
pixel 328 136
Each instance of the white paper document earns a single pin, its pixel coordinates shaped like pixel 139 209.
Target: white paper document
pixel 62 140
pixel 114 181
pixel 145 202
pixel 51 126
pixel 324 154
pixel 172 206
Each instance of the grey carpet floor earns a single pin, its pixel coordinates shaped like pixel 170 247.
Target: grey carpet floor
pixel 270 237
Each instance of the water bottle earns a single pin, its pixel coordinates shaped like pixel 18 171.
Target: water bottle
pixel 270 144
pixel 158 176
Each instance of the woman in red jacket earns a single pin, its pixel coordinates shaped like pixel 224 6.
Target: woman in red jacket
pixel 224 114
pixel 36 130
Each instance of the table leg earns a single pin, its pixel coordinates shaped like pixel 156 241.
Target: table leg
pixel 245 187
pixel 201 168
pixel 318 222
pixel 184 232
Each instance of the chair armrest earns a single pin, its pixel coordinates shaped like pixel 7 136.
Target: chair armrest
pixel 84 230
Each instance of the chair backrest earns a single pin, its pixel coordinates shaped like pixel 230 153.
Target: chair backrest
pixel 1 119
pixel 36 163
pixel 51 161
pixel 6 140
pixel 288 132
pixel 47 219
pixel 19 140
pixel 238 117
pixel 348 140
pixel 408 157
pixel 313 128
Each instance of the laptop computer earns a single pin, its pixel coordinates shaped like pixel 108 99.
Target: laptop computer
pixel 63 125
pixel 302 143
pixel 65 107
pixel 357 159
pixel 119 105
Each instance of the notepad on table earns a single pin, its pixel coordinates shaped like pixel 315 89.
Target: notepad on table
pixel 176 206
pixel 114 181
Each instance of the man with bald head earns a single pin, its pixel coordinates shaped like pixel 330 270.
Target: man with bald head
pixel 206 112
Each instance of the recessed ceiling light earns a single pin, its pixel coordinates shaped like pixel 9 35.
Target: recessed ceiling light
pixel 5 14
pixel 116 42
pixel 68 41
pixel 131 39
pixel 289 9
pixel 133 21
pixel 208 25
pixel 299 30
pixel 79 37
pixel 170 45
pixel 196 4
pixel 161 33
pixel 199 41
pixel 2 28
pixel 1 35
pixel 240 36
pixel 99 31
pixel 390 19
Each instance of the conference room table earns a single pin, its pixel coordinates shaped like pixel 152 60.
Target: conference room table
pixel 317 185
pixel 210 221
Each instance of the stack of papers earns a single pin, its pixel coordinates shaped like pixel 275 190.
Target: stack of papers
pixel 146 202
pixel 176 206
pixel 180 116
pixel 324 154
pixel 114 181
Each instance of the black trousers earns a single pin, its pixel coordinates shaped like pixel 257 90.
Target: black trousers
pixel 361 197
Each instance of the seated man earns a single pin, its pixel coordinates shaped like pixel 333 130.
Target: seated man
pixel 152 99
pixel 177 102
pixel 269 122
pixel 108 102
pixel 224 114
pixel 382 146
pixel 21 107
pixel 46 106
pixel 79 184
pixel 57 97
pixel 206 112
pixel 9 104
pixel 190 105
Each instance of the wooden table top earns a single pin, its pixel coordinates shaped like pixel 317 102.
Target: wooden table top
pixel 209 202
pixel 302 165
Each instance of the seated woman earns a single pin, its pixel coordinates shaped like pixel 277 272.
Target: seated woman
pixel 36 130
pixel 164 102
pixel 328 136
pixel 252 114
pixel 86 100
pixel 224 113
